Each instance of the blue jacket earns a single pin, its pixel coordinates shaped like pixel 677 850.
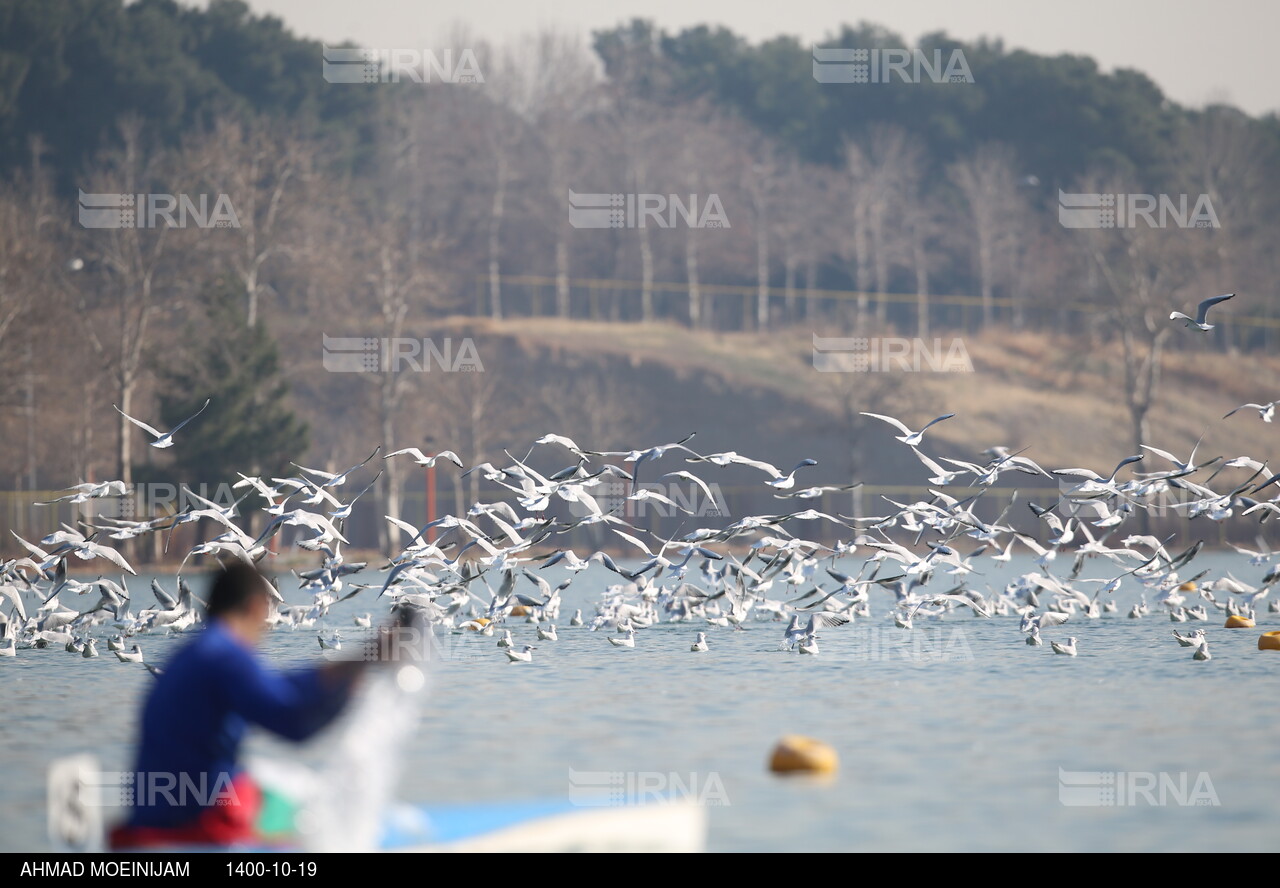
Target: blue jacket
pixel 195 719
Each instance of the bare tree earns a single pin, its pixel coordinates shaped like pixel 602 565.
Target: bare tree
pixel 129 266
pixel 563 83
pixel 856 247
pixel 32 235
pixel 763 182
pixel 988 181
pixel 262 169
pixel 1143 271
pixel 1221 155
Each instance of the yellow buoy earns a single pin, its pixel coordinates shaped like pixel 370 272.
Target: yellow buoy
pixel 1188 586
pixel 480 623
pixel 1269 641
pixel 795 754
pixel 519 611
pixel 1235 621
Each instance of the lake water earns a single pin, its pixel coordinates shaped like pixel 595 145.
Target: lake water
pixel 951 736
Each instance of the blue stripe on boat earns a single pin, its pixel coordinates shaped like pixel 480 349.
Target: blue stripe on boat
pixel 409 825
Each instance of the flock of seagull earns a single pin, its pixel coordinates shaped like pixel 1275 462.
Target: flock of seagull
pixel 758 568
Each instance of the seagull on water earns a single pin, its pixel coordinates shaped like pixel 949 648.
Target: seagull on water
pixel 1202 652
pixel 627 641
pixel 133 656
pixel 505 641
pixel 576 619
pixel 1192 640
pixel 547 634
pixel 795 633
pixel 1067 648
pixel 700 646
pixel 333 643
pixel 808 645
pixel 1202 313
pixel 1033 638
pixel 524 656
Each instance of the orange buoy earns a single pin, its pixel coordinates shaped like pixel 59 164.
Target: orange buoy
pixel 796 754
pixel 1269 641
pixel 1235 621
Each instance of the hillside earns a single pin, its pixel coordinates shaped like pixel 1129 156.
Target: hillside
pixel 1060 397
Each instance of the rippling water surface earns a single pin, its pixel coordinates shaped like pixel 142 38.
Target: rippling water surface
pixel 950 738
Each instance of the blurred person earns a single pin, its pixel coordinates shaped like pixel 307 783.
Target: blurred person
pixel 189 786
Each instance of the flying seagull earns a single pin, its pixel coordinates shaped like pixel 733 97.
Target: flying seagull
pixel 331 480
pixel 908 436
pixel 1266 411
pixel 163 439
pixel 429 461
pixel 1202 312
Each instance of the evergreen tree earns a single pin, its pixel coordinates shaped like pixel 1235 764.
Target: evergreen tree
pixel 248 426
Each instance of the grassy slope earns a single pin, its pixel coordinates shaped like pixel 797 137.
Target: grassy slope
pixel 1061 397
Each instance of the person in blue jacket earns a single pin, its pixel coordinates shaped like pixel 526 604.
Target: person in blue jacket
pixel 189 786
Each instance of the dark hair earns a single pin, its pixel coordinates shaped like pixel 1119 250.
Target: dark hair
pixel 232 589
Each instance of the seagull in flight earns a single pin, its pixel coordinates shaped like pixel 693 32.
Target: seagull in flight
pixel 163 439
pixel 1202 313
pixel 908 436
pixel 1266 411
pixel 338 480
pixel 428 461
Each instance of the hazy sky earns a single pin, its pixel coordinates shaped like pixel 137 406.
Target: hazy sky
pixel 1196 50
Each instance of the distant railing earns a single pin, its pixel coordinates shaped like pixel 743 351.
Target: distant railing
pixel 734 306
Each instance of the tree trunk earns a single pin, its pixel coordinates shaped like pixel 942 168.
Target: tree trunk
pixel 789 283
pixel 811 287
pixel 646 277
pixel 762 275
pixel 495 239
pixel 124 461
pixel 984 278
pixel 562 274
pixel 691 274
pixel 251 288
pixel 922 289
pixel 391 468
pixel 862 268
pixel 880 263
